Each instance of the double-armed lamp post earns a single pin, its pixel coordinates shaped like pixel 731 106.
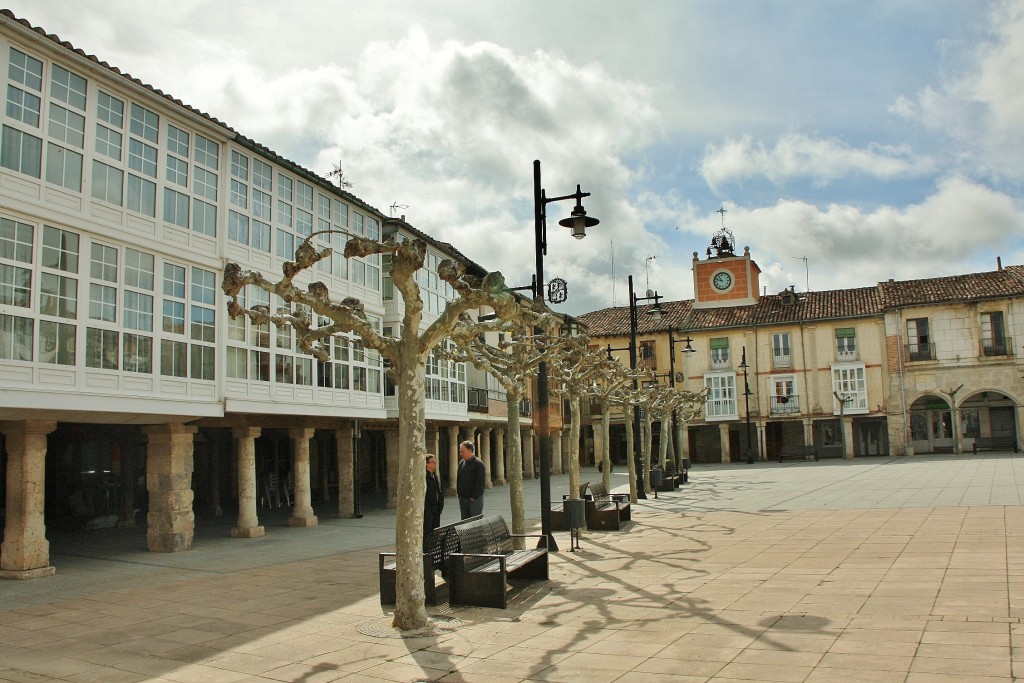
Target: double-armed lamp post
pixel 578 222
pixel 655 312
pixel 688 349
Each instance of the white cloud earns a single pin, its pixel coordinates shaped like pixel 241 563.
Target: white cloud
pixel 981 106
pixel 952 230
pixel 797 156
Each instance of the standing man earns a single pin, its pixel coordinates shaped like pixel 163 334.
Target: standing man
pixel 433 500
pixel 470 481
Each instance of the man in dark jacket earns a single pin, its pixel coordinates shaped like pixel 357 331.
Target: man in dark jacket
pixel 433 501
pixel 470 481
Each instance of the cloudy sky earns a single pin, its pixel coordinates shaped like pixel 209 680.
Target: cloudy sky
pixel 875 138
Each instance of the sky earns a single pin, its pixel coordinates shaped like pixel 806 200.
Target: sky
pixel 848 142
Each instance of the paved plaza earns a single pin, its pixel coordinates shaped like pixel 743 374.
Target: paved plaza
pixel 902 569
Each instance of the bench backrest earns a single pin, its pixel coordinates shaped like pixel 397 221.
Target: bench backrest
pixel 598 491
pixel 443 541
pixel 487 536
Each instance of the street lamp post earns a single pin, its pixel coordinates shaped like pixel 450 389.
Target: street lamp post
pixel 578 222
pixel 746 395
pixel 672 341
pixel 634 323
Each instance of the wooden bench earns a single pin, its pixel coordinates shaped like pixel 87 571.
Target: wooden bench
pixel 479 571
pixel 559 520
pixel 606 511
pixel 798 451
pixel 995 443
pixel 440 544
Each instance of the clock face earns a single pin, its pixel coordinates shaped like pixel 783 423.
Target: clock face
pixel 722 280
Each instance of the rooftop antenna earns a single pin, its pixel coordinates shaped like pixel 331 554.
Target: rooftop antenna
pixel 611 244
pixel 807 277
pixel 647 270
pixel 395 206
pixel 338 173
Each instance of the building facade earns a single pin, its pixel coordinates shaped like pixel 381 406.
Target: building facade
pixel 128 394
pixel 903 367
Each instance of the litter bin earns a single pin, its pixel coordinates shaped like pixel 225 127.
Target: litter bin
pixel 576 517
pixel 657 477
pixel 686 470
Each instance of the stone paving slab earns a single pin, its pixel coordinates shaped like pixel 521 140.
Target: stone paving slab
pixel 879 569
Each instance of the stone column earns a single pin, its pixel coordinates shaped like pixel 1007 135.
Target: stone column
pixel 391 456
pixel 683 430
pixel 25 552
pixel 762 454
pixel 345 454
pixel 485 455
pixel 527 441
pixel 302 511
pixel 723 432
pixel 169 462
pixel 248 525
pixel 556 452
pixel 453 458
pixel 499 456
pixel 848 445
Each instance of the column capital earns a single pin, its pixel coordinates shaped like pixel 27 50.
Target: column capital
pixel 246 432
pixel 42 427
pixel 171 428
pixel 301 433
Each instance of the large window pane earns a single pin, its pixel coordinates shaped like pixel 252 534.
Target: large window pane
pixel 56 343
pixel 101 349
pixel 15 338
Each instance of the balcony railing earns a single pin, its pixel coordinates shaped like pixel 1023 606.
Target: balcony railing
pixel 782 360
pixel 846 355
pixel 720 363
pixel 919 352
pixel 720 408
pixel 997 347
pixel 477 399
pixel 785 405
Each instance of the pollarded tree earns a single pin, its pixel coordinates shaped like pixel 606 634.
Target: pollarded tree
pixel 573 368
pixel 513 362
pixel 406 355
pixel 608 391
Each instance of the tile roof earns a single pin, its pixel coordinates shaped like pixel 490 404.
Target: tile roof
pixel 971 287
pixel 836 304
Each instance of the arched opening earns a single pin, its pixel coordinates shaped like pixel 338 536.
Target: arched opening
pixel 988 414
pixel 931 425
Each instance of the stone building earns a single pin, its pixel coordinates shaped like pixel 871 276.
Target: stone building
pixel 877 370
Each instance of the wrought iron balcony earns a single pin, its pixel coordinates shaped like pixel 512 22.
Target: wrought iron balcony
pixel 847 355
pixel 720 363
pixel 785 405
pixel 997 347
pixel 919 352
pixel 782 360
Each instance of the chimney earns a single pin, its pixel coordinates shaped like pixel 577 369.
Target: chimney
pixel 999 262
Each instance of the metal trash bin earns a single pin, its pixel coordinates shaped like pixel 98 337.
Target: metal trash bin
pixel 657 477
pixel 576 518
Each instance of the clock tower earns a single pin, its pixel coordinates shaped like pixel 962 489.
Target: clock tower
pixel 725 279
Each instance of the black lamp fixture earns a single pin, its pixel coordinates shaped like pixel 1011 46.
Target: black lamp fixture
pixel 746 394
pixel 578 222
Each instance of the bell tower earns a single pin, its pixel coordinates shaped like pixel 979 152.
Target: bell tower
pixel 725 279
